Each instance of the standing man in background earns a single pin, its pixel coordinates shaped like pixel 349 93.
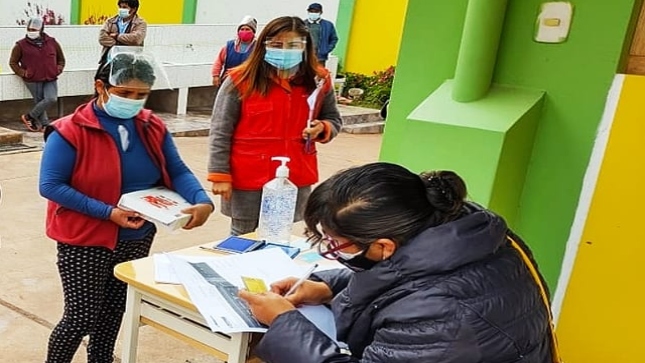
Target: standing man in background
pixel 322 32
pixel 126 28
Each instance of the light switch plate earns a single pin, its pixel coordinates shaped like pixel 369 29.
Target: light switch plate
pixel 553 22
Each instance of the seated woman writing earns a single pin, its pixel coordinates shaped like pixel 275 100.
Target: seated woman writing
pixel 431 278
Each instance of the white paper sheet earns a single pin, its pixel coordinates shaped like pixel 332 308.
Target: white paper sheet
pixel 223 312
pixel 212 284
pixel 164 271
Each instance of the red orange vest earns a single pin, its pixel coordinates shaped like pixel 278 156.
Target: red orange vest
pixel 270 126
pixel 97 174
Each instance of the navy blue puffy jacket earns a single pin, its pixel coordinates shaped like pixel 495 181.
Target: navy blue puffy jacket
pixel 456 293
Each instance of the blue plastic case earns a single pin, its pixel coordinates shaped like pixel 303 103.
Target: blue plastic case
pixel 291 251
pixel 234 244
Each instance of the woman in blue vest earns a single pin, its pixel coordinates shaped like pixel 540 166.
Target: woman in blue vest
pixel 236 51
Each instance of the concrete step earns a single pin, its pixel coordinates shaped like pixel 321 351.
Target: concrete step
pixel 365 128
pixel 353 115
pixel 10 137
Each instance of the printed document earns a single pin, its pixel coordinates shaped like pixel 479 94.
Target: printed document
pixel 213 283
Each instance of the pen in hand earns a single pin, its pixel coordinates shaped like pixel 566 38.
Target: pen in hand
pixel 301 280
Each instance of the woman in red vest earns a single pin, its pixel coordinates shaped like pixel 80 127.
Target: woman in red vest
pixel 262 111
pixel 108 147
pixel 38 59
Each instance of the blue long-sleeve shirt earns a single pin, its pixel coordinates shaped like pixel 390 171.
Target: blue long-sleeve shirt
pixel 138 172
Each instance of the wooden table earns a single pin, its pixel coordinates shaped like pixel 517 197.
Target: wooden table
pixel 169 309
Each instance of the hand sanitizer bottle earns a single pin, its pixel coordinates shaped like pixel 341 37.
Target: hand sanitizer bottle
pixel 278 206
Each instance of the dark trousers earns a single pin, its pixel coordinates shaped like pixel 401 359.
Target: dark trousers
pixel 94 299
pixel 45 94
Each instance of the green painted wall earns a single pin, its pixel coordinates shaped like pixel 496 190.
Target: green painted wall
pixel 190 9
pixel 344 28
pixel 576 76
pixel 500 129
pixel 75 11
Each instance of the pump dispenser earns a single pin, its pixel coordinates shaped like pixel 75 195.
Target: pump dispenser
pixel 282 171
pixel 278 206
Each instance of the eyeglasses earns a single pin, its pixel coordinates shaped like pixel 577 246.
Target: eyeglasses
pixel 328 247
pixel 298 43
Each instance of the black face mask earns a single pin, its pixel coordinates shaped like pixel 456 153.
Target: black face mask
pixel 358 263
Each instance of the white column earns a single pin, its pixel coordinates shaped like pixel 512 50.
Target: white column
pixel 182 101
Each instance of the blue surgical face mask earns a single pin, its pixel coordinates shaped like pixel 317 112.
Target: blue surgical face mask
pixel 124 13
pixel 121 107
pixel 283 59
pixel 314 16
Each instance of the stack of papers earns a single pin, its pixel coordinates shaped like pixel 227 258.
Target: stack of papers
pixel 213 282
pixel 158 205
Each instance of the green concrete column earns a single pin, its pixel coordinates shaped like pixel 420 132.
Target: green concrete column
pixel 478 50
pixel 190 10
pixel 344 28
pixel 75 12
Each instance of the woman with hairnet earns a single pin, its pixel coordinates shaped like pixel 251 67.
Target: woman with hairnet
pixel 106 148
pixel 38 59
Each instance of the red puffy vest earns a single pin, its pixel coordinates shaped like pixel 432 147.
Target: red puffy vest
pixel 97 174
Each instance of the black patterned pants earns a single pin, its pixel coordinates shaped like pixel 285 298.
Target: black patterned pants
pixel 94 299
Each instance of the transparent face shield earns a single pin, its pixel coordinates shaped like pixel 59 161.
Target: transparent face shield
pixel 295 43
pixel 132 67
pixel 285 54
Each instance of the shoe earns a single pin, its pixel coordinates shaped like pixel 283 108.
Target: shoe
pixel 31 124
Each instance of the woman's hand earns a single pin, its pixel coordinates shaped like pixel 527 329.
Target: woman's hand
pixel 309 293
pixel 222 188
pixel 199 214
pixel 217 81
pixel 266 306
pixel 126 219
pixel 317 128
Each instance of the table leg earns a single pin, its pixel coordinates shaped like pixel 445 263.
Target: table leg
pixel 131 326
pixel 240 353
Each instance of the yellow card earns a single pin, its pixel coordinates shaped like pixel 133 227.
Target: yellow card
pixel 254 285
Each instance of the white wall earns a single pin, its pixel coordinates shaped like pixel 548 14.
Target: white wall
pixel 187 51
pixel 183 44
pixel 232 11
pixel 14 10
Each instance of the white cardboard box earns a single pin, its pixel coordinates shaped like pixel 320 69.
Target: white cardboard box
pixel 158 205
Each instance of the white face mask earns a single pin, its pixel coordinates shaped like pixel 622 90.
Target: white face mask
pixel 314 16
pixel 33 35
pixel 124 13
pixel 348 256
